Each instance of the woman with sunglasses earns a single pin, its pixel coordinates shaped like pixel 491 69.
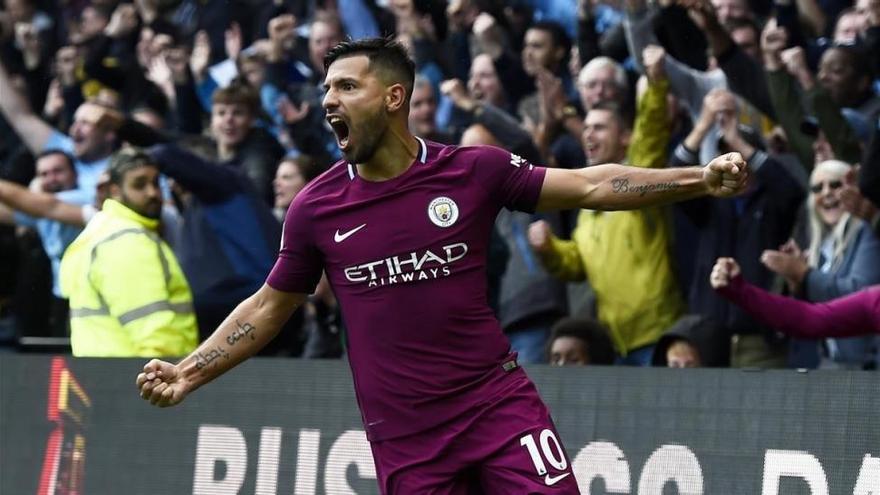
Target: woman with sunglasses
pixel 843 256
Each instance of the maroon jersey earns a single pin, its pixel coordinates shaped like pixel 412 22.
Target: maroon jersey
pixel 406 259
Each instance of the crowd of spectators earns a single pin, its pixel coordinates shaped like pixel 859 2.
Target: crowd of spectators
pixel 223 98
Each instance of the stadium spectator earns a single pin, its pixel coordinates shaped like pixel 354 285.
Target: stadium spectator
pixel 292 175
pixel 91 140
pixel 423 114
pixel 55 172
pixel 128 295
pixel 692 342
pixel 843 256
pixel 730 226
pixel 639 307
pixel 579 342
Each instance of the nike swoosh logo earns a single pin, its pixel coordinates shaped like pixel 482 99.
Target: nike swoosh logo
pixel 550 480
pixel 339 237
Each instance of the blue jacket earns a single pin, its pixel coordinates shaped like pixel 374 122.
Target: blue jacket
pixel 229 236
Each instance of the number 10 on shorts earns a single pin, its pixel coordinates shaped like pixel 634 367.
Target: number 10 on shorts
pixel 552 454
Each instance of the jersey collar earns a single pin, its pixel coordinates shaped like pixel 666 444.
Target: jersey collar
pixel 422 156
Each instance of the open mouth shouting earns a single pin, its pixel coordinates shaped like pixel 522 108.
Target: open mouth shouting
pixel 341 129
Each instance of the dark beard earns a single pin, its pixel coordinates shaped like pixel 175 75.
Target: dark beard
pixel 374 129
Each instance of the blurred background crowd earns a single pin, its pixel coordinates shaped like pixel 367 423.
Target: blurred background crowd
pixel 223 97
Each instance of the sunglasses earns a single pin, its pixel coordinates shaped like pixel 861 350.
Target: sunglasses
pixel 832 185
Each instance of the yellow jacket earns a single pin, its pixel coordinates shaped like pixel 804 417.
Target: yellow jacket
pixel 625 255
pixel 128 295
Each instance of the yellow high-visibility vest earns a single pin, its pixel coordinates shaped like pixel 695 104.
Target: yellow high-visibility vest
pixel 128 295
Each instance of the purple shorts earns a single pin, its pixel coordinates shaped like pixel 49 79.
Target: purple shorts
pixel 506 446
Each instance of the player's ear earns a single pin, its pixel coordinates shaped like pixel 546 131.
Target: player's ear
pixel 395 98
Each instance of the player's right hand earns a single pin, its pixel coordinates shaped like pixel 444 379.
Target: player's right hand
pixel 539 236
pixel 725 270
pixel 161 383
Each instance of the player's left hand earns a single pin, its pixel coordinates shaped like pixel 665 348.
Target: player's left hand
pixel 726 175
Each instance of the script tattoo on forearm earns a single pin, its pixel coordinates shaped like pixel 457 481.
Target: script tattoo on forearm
pixel 241 331
pixel 203 359
pixel 622 186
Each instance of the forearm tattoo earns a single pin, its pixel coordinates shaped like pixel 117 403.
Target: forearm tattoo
pixel 241 331
pixel 622 186
pixel 203 359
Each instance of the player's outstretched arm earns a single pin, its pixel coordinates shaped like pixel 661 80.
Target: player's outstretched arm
pixel 245 331
pixel 619 187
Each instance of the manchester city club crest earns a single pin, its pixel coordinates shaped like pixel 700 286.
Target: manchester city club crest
pixel 443 211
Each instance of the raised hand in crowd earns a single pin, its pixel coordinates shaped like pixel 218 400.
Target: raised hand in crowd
pixel 282 34
pixel 290 112
pixel 233 41
pixel 774 39
pixel 854 201
pixel 789 262
pixel 200 57
pixel 159 73
pixel 456 91
pixel 148 10
pixel 123 22
pixel 795 61
pixel 713 103
pixel 551 96
pixel 654 60
pixel 540 237
pixel 177 61
pixel 725 270
pixel 30 44
pixel 54 101
pixel 488 34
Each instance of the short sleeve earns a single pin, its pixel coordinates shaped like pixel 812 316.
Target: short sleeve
pixel 511 180
pixel 78 196
pixel 299 264
pixel 58 141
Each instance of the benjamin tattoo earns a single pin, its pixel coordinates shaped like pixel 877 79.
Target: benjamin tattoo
pixel 622 186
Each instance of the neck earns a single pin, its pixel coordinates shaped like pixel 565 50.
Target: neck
pixel 225 151
pixel 393 157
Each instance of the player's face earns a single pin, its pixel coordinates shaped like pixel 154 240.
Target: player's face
pixel 355 106
pixel 288 182
pixel 140 191
pixel 604 139
pixel 569 351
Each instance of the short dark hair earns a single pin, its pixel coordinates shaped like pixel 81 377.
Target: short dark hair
pixel 55 151
pixel 557 32
pixel 239 92
pixel 624 119
pixel 588 330
pixel 385 54
pixel 126 160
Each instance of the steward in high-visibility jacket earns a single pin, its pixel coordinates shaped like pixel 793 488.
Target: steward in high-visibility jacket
pixel 128 295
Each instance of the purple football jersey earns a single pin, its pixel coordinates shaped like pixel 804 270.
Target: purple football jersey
pixel 406 259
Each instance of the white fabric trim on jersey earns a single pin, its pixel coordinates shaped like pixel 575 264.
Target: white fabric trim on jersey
pixel 424 154
pixel 423 158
